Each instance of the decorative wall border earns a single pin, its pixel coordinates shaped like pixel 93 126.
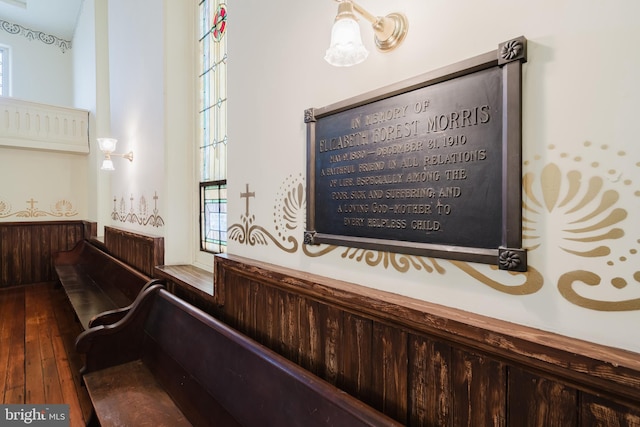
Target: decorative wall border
pixel 12 28
pixel 140 216
pixel 61 208
pixel 581 204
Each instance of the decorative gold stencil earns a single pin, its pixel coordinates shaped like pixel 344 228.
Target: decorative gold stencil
pixel 577 210
pixel 288 212
pixel 575 214
pixel 141 215
pixel 60 209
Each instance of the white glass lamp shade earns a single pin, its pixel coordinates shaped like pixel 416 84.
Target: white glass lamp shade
pixel 107 145
pixel 346 44
pixel 107 165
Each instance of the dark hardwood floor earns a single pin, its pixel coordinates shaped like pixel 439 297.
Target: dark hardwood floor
pixel 38 363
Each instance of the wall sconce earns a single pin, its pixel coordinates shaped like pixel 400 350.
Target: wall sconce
pixel 108 146
pixel 346 44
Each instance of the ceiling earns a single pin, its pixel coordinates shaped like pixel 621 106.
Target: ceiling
pixel 53 17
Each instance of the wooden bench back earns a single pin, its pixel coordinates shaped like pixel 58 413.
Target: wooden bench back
pixel 141 251
pixel 256 385
pixel 120 281
pixel 216 375
pixel 26 248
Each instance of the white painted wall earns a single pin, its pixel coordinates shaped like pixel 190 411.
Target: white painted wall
pixel 580 94
pixel 136 71
pixel 39 72
pixel 580 97
pixel 85 54
pixel 152 82
pixel 41 185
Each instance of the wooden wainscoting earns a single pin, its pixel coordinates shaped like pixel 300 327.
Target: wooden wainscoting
pixel 424 364
pixel 26 248
pixel 141 251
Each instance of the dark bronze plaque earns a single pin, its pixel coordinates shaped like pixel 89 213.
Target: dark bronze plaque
pixel 430 166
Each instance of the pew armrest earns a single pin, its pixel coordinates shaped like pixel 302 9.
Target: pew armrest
pixel 110 344
pixel 112 316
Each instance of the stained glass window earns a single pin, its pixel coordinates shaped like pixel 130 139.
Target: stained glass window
pixel 213 126
pixel 213 202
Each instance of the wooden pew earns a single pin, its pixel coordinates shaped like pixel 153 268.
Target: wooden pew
pixel 169 363
pixel 98 285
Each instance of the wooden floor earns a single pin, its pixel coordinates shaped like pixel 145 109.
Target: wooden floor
pixel 38 363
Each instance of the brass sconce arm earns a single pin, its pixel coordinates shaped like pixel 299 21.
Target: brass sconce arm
pixel 390 29
pixel 128 156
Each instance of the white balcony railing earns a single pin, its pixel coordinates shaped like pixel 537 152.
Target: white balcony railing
pixel 26 124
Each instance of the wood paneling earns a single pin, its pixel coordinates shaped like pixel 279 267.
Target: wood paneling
pixel 429 392
pixel 141 251
pixel 553 404
pixel 425 364
pixel 389 358
pixel 599 411
pixel 479 389
pixel 26 248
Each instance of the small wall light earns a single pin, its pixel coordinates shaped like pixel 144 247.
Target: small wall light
pixel 346 44
pixel 108 146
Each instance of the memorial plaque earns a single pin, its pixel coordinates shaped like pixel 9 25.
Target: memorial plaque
pixel 430 166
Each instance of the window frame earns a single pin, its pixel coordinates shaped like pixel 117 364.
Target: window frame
pixel 212 133
pixel 222 242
